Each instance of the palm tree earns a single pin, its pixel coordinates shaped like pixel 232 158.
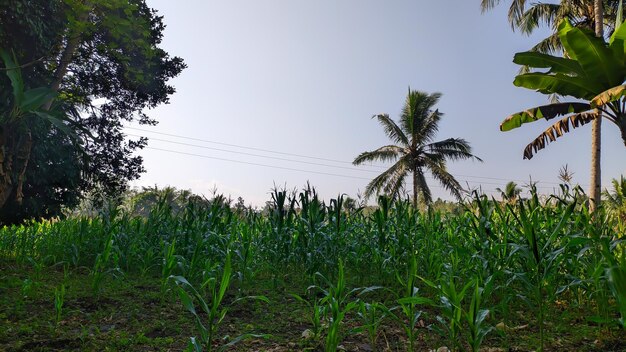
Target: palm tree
pixel 415 151
pixel 615 201
pixel 510 192
pixel 527 16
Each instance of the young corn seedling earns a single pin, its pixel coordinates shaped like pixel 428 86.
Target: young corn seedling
pixel 214 308
pixel 408 305
pixel 59 297
pixel 451 308
pixel 336 303
pixel 316 310
pixel 475 319
pixel 372 316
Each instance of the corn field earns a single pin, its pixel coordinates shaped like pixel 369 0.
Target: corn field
pixel 536 274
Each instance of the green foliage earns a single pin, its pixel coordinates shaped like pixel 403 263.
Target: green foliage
pixel 392 268
pixel 592 70
pixel 615 200
pixel 213 307
pixel 59 297
pixel 414 151
pixel 77 53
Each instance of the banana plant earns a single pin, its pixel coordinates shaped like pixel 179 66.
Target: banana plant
pixel 592 71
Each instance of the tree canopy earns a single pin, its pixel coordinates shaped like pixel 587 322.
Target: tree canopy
pixel 104 62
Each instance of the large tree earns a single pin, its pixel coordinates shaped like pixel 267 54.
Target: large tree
pixel 415 152
pixel 527 16
pixel 102 62
pixel 594 72
pixel 587 14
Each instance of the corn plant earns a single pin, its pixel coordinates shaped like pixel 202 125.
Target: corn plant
pixel 100 265
pixel 59 297
pixel 170 262
pixel 316 311
pixel 337 303
pixel 213 307
pixel 538 259
pixel 475 318
pixel 408 304
pixel 372 316
pixel 615 254
pixel 451 309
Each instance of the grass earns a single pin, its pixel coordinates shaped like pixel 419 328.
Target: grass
pixel 542 274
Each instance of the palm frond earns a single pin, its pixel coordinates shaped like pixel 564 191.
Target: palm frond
pixel 550 45
pixel 393 131
pixel 385 153
pixel 441 174
pixel 395 184
pixel 538 14
pixel 557 130
pixel 429 127
pixel 452 149
pixel 399 169
pixel 516 11
pixel 422 186
pixel 417 111
pixel 486 5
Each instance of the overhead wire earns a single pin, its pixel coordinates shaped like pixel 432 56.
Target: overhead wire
pixel 312 157
pixel 293 160
pixel 274 166
pixel 255 155
pixel 288 168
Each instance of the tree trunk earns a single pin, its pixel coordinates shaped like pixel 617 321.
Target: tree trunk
pixel 6 166
pixel 596 173
pixel 24 149
pixel 415 187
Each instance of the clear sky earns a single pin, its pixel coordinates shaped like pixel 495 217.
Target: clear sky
pixel 305 77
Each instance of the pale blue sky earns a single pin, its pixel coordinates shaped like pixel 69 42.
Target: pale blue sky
pixel 305 77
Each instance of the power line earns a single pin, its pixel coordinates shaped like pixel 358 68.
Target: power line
pixel 241 146
pixel 255 164
pixel 300 161
pixel 256 155
pixel 308 157
pixel 287 168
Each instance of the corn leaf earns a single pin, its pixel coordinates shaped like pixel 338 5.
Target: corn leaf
pixel 187 301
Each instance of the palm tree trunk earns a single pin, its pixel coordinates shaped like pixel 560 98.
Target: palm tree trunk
pixel 596 173
pixel 415 187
